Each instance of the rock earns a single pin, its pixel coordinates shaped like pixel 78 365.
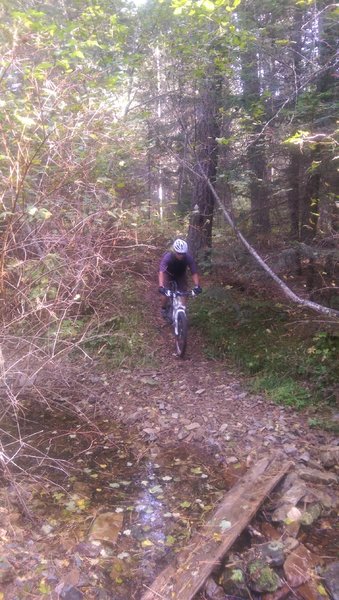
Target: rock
pixel 312 591
pixel 329 456
pixel 290 449
pixel 88 549
pixel 281 593
pixel 295 493
pixel 71 593
pixel 270 532
pixel 272 553
pixel 152 435
pixel 262 578
pixel 289 500
pixel 290 544
pixel 297 566
pixel 316 476
pixel 213 591
pixel 6 571
pixel 232 460
pixel 325 499
pixel 233 579
pixel 294 514
pixel 183 434
pixel 107 527
pixel 331 580
pixel 192 426
pixel 280 513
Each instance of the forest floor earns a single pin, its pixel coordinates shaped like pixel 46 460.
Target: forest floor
pixel 195 411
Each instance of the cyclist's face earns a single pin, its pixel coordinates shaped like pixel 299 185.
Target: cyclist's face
pixel 179 255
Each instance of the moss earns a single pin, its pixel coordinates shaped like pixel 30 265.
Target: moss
pixel 263 578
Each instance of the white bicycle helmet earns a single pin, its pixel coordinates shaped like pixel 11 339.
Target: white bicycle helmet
pixel 180 246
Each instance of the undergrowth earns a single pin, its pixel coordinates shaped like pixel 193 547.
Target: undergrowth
pixel 121 339
pixel 266 341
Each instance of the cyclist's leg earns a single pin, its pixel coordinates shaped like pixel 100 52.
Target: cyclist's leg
pixel 182 286
pixel 164 299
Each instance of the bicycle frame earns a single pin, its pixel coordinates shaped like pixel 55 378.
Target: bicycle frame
pixel 177 306
pixel 179 318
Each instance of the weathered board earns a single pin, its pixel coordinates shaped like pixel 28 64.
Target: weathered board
pixel 209 546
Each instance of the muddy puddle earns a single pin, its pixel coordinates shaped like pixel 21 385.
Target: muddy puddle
pixel 149 500
pixel 109 512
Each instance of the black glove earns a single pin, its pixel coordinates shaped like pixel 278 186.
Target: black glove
pixel 197 290
pixel 162 290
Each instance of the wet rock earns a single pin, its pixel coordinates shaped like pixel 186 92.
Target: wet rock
pixel 182 434
pixel 232 460
pixel 213 591
pixel 88 549
pixel 331 580
pixel 290 449
pixel 151 434
pixel 269 531
pixel 297 566
pixel 71 593
pixel 312 591
pixel 281 513
pixel 316 476
pixel 329 456
pixel 192 426
pixel 281 593
pixel 106 527
pixel 290 544
pixel 233 579
pixel 272 553
pixel 319 495
pixel 289 500
pixel 6 571
pixel 262 578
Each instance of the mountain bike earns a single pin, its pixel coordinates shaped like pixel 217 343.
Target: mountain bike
pixel 176 315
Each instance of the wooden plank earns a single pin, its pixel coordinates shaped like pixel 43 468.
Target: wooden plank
pixel 209 546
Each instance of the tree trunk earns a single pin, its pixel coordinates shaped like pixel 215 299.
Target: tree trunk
pixel 207 130
pixel 294 167
pixel 318 179
pixel 293 196
pixel 256 151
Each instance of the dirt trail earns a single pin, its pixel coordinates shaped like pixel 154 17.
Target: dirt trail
pixel 194 402
pixel 205 402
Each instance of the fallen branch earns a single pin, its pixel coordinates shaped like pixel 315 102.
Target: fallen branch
pixel 287 291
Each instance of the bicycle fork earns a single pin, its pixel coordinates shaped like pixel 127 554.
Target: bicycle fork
pixel 178 307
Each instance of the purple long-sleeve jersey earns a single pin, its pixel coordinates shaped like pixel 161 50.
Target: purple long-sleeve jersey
pixel 177 267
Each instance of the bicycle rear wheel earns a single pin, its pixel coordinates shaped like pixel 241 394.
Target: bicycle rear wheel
pixel 181 336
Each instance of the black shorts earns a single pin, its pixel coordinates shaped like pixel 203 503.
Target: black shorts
pixel 181 281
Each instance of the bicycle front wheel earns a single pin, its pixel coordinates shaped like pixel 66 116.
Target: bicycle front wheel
pixel 181 335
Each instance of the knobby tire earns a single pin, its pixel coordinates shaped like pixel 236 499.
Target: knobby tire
pixel 181 338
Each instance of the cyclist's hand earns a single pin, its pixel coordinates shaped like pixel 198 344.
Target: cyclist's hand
pixel 162 290
pixel 197 290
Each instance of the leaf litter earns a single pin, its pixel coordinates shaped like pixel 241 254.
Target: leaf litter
pixel 115 530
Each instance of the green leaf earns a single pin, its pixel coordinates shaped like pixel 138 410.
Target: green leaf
pixel 147 543
pixel 44 587
pixel 77 54
pixel 170 540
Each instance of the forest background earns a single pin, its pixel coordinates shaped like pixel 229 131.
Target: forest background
pixel 122 126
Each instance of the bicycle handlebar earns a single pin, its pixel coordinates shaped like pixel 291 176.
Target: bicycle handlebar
pixel 171 294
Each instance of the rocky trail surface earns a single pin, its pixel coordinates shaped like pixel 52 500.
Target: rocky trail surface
pixel 204 407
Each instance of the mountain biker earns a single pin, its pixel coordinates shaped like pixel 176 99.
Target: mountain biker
pixel 173 267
